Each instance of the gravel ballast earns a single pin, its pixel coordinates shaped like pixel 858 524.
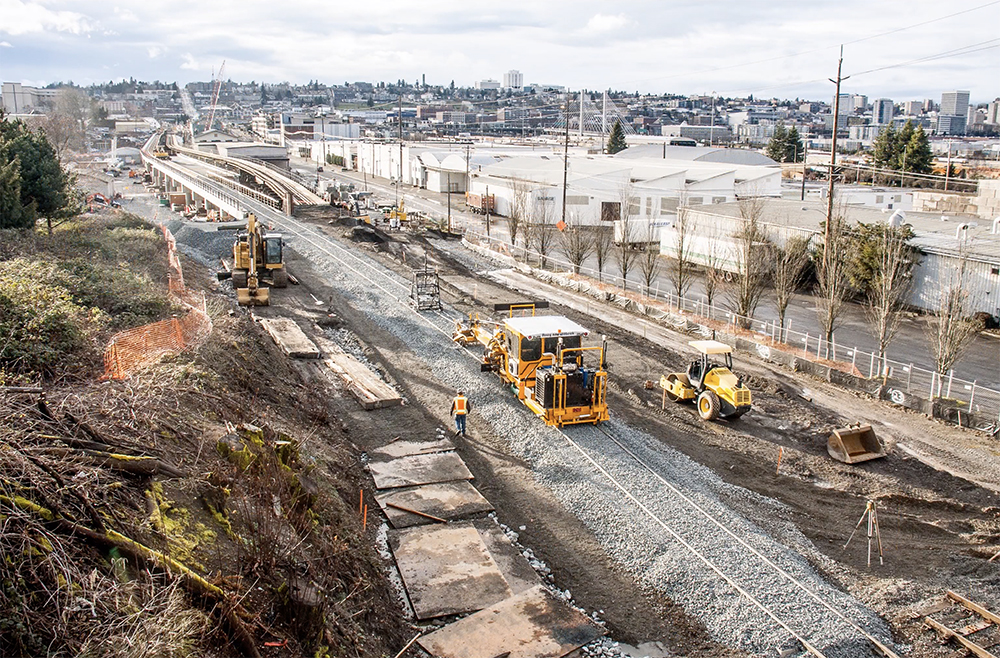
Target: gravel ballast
pixel 640 544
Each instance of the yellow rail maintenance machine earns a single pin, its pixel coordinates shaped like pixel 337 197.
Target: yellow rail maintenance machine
pixel 544 360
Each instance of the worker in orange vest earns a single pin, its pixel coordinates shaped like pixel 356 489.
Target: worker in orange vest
pixel 460 408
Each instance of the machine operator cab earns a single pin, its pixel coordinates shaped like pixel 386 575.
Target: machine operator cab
pixel 713 387
pixel 272 250
pixel 545 361
pixel 553 372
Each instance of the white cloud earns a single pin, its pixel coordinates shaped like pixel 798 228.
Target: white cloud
pixel 155 51
pixel 601 23
pixel 125 14
pixel 21 17
pixel 5 44
pixel 190 63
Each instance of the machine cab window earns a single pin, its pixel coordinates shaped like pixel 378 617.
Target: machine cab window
pixel 272 249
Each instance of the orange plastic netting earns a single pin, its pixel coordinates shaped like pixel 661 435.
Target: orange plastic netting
pixel 141 346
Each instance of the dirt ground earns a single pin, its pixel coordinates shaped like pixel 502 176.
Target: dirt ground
pixel 938 530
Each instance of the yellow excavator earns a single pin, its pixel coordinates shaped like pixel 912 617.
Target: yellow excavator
pixel 257 256
pixel 713 387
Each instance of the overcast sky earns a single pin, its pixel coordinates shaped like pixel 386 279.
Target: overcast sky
pixel 780 48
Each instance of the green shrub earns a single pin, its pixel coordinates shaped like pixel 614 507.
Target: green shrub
pixel 42 328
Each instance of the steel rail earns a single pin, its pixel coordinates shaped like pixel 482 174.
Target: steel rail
pixel 328 246
pixel 886 651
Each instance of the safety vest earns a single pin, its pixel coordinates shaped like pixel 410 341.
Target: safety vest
pixel 460 406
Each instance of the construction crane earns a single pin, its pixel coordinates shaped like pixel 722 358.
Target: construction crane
pixel 215 96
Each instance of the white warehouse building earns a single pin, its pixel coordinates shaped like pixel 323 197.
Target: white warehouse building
pixel 944 241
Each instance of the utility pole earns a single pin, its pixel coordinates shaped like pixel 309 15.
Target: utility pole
pixel 565 159
pixel 399 178
pixel 711 129
pixel 947 169
pixel 581 116
pixel 802 196
pixel 449 202
pixel 604 120
pixel 833 162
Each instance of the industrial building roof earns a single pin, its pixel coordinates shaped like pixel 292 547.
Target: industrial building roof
pixel 933 233
pixel 697 154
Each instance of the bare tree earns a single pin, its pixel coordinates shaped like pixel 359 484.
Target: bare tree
pixel 951 329
pixel 64 123
pixel 520 206
pixel 715 275
pixel 680 269
pixel 576 242
pixel 833 275
pixel 604 238
pixel 540 235
pixel 890 286
pixel 625 254
pixel 790 260
pixel 752 261
pixel 649 260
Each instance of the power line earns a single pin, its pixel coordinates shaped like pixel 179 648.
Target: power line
pixel 822 48
pixel 963 50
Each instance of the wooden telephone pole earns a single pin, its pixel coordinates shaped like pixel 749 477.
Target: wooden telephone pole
pixel 566 157
pixel 833 161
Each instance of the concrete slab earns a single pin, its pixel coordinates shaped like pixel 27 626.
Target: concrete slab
pixel 290 338
pixel 445 500
pixel 447 570
pixel 533 624
pixel 404 448
pixel 414 470
pixel 516 571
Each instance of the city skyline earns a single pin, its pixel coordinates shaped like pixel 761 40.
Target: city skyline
pixel 766 49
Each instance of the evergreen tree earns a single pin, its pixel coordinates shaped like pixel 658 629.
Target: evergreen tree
pixel 12 213
pixel 884 151
pixel 794 149
pixel 776 147
pixel 616 140
pixel 918 153
pixel 903 138
pixel 30 167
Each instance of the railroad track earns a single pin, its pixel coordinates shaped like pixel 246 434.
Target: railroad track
pixel 645 487
pixel 649 490
pixel 972 626
pixel 592 442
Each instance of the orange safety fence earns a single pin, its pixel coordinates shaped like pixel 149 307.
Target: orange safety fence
pixel 141 346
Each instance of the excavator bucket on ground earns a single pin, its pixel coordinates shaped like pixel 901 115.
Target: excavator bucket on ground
pixel 854 444
pixel 253 296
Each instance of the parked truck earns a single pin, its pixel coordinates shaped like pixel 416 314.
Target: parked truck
pixel 481 203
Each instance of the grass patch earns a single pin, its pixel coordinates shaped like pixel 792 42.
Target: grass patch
pixel 62 296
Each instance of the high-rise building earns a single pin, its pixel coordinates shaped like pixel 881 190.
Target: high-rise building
pixel 928 105
pixel 993 112
pixel 846 106
pixel 882 111
pixel 513 80
pixel 948 124
pixel 955 103
pixel 859 102
pixel 912 108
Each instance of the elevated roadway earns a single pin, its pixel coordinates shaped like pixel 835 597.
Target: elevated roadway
pixel 211 179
